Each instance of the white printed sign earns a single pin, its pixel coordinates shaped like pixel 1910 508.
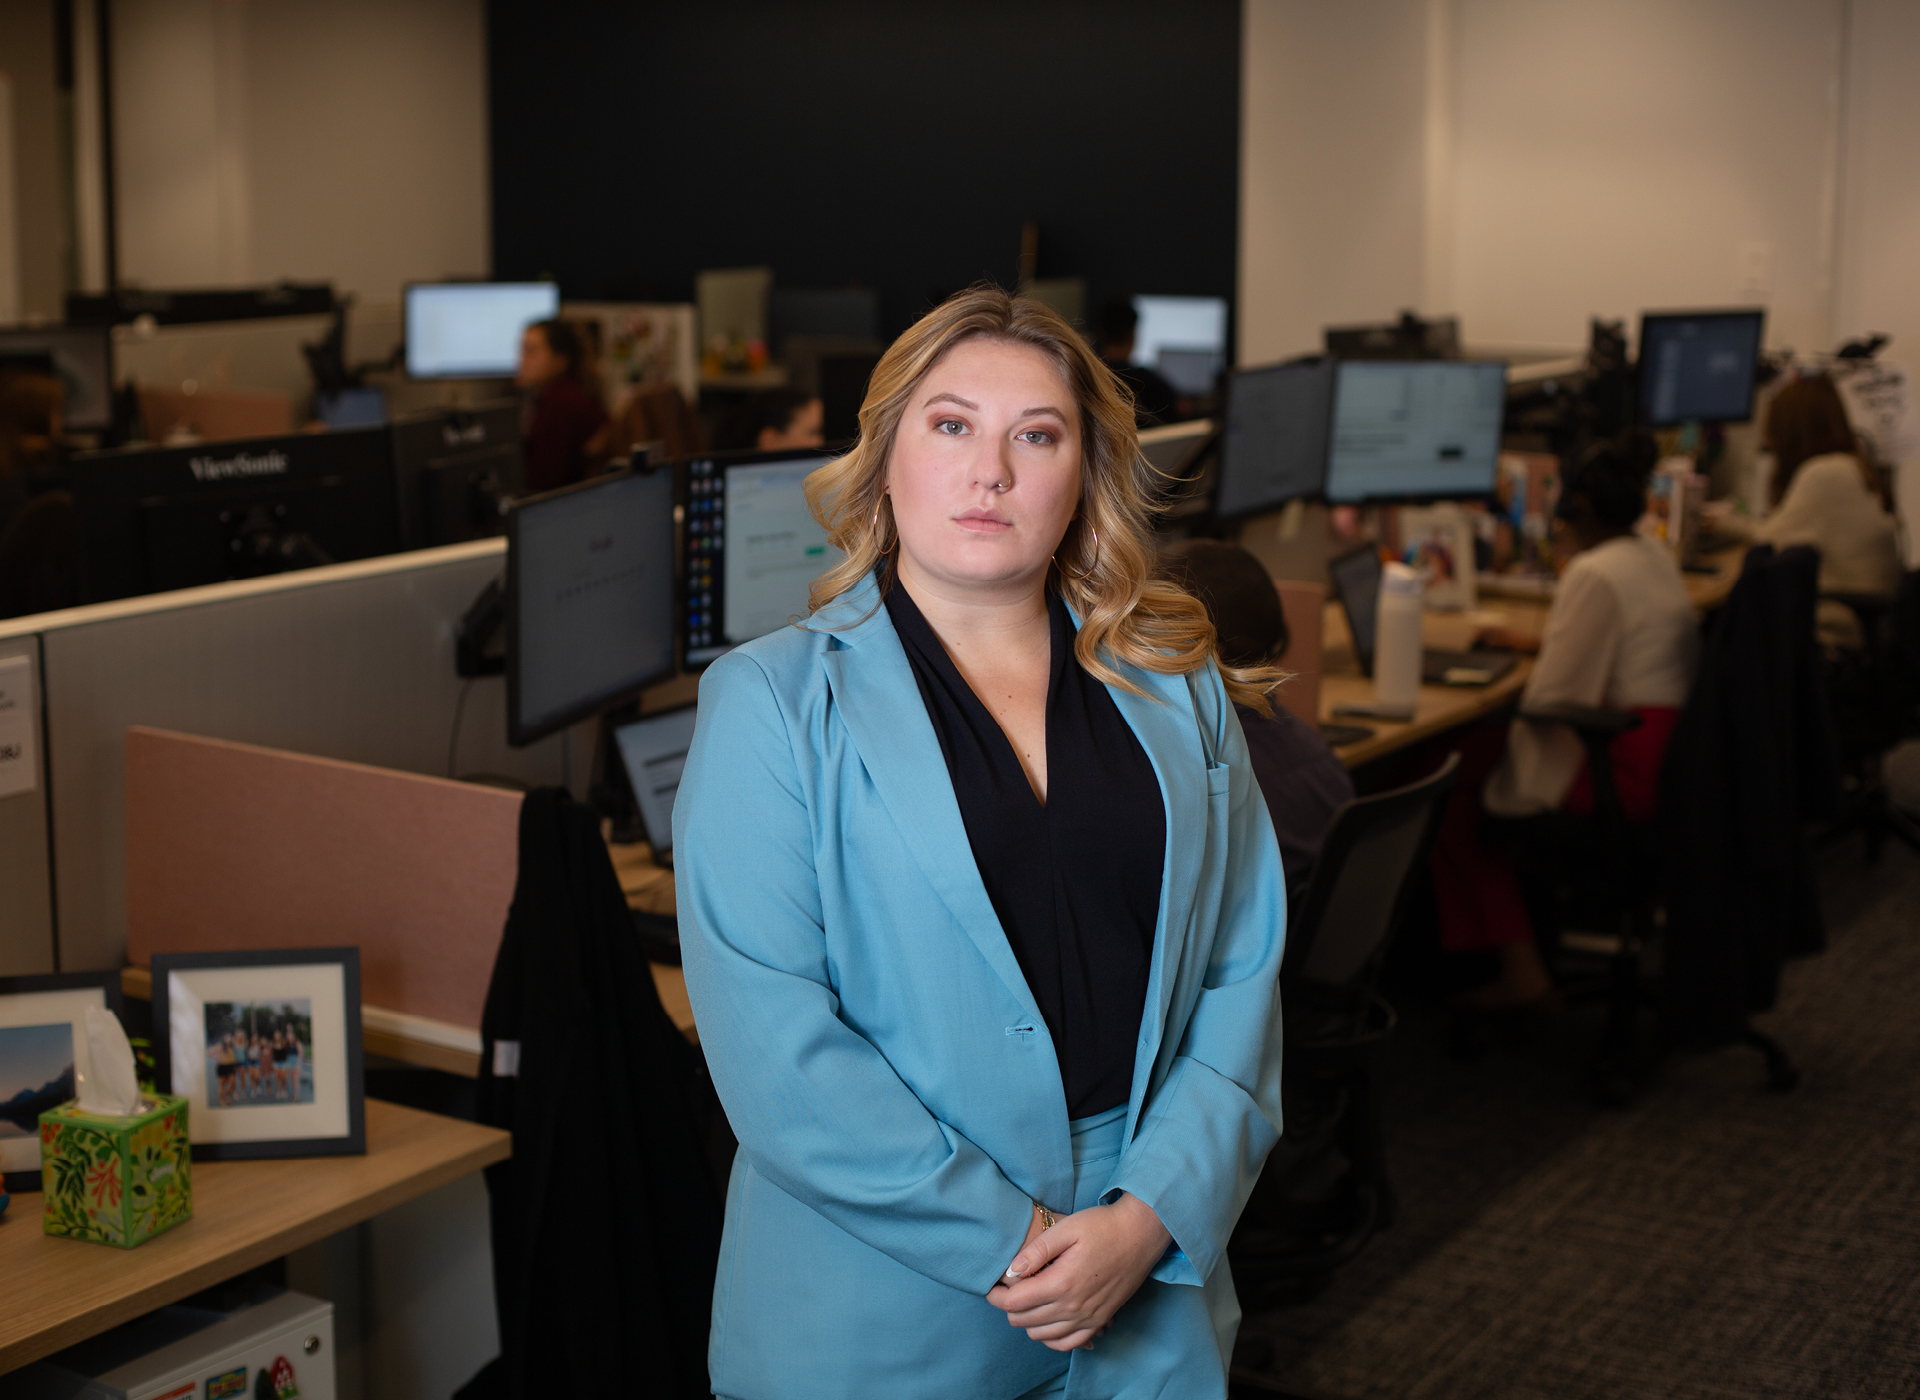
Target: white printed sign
pixel 18 771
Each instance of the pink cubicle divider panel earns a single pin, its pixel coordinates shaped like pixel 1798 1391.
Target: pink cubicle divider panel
pixel 1304 606
pixel 230 846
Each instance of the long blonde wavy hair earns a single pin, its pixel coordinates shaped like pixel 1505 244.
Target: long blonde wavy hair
pixel 1104 566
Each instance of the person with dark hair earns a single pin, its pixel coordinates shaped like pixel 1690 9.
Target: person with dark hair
pixel 775 419
pixel 1621 634
pixel 1825 495
pixel 1154 400
pixel 1300 777
pixel 565 415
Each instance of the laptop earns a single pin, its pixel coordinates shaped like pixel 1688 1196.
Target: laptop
pixel 1356 579
pixel 654 750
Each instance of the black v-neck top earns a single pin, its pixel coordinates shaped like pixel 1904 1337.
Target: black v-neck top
pixel 1076 882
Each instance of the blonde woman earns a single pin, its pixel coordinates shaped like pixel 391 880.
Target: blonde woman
pixel 982 913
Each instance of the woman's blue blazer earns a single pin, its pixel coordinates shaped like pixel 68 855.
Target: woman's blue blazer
pixel 889 1076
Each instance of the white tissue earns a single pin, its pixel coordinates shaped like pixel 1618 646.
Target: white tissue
pixel 108 1087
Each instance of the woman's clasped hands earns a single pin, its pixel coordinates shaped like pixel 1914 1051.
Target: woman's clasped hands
pixel 1067 1281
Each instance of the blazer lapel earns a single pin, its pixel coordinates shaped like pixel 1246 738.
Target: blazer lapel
pixel 879 702
pixel 1164 723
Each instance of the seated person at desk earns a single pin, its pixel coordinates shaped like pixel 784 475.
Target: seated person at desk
pixel 1154 400
pixel 566 415
pixel 774 420
pixel 1622 634
pixel 1303 781
pixel 1828 498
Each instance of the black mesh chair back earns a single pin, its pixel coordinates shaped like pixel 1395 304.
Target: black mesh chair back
pixel 1359 883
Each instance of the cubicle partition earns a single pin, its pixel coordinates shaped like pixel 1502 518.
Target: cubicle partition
pixel 351 662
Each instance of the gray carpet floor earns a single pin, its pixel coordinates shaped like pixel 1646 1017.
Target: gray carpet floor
pixel 1712 1240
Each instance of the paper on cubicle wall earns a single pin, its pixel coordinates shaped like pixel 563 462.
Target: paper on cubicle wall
pixel 19 772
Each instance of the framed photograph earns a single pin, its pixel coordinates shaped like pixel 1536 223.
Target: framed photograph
pixel 43 1043
pixel 265 1048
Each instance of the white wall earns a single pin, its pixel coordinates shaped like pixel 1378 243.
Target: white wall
pixel 1879 274
pixel 1332 161
pixel 282 138
pixel 1528 163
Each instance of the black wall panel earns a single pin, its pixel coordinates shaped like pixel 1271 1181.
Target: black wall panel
pixel 898 146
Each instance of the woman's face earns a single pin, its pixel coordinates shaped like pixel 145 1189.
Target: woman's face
pixel 985 469
pixel 538 364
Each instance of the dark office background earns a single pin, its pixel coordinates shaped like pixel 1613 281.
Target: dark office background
pixel 899 145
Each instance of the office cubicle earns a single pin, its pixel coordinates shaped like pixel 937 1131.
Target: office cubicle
pixel 352 661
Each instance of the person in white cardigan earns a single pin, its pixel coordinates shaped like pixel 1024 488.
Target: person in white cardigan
pixel 1622 634
pixel 1826 496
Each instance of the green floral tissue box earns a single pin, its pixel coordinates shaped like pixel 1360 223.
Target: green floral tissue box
pixel 117 1181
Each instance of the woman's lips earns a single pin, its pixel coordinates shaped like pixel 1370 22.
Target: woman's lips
pixel 983 522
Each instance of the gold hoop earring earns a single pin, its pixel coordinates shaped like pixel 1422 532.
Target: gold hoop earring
pixel 1082 575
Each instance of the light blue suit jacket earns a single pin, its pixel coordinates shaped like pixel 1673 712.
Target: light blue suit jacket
pixel 888 1073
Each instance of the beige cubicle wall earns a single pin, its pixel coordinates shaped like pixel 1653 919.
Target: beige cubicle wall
pixel 26 894
pixel 353 662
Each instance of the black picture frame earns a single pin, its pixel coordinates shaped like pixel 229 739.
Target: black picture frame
pixel 354 1141
pixel 17 1182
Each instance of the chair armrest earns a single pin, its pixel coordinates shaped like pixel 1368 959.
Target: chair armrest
pixel 1585 720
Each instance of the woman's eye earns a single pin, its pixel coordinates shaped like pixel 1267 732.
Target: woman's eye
pixel 1039 437
pixel 952 427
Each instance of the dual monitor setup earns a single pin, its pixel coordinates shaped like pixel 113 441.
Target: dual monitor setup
pixel 618 583
pixel 159 518
pixel 1358 431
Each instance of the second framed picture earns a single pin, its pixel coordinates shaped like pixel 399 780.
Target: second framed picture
pixel 43 1043
pixel 265 1047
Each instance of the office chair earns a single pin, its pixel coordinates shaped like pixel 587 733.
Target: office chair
pixel 1324 1192
pixel 1724 899
pixel 1875 693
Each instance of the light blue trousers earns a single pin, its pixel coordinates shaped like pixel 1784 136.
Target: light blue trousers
pixel 1097 1143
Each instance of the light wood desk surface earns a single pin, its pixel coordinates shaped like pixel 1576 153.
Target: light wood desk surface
pixel 1442 707
pixel 60 1291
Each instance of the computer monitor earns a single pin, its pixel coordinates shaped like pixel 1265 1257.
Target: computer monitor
pixel 158 518
pixel 82 361
pixel 654 750
pixel 751 548
pixel 455 470
pixel 1183 338
pixel 1274 448
pixel 1356 583
pixel 471 330
pixel 590 593
pixel 1420 430
pixel 1698 366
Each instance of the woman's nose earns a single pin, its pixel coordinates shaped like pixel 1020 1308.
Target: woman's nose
pixel 993 468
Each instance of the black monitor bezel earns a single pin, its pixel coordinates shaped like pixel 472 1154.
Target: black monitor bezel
pixel 1411 498
pixel 520 734
pixel 1232 376
pixel 1641 399
pixel 682 497
pixel 406 327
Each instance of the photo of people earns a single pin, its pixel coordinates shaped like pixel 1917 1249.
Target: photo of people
pixel 259 1053
pixel 36 1074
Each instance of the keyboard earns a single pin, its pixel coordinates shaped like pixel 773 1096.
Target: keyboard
pixel 1468 668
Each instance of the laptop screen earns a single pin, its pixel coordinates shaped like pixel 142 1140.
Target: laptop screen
pixel 1356 578
pixel 655 751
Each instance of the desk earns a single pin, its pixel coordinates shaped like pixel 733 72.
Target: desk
pixel 1441 707
pixel 61 1291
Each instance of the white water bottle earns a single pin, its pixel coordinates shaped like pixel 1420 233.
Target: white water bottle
pixel 1397 644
